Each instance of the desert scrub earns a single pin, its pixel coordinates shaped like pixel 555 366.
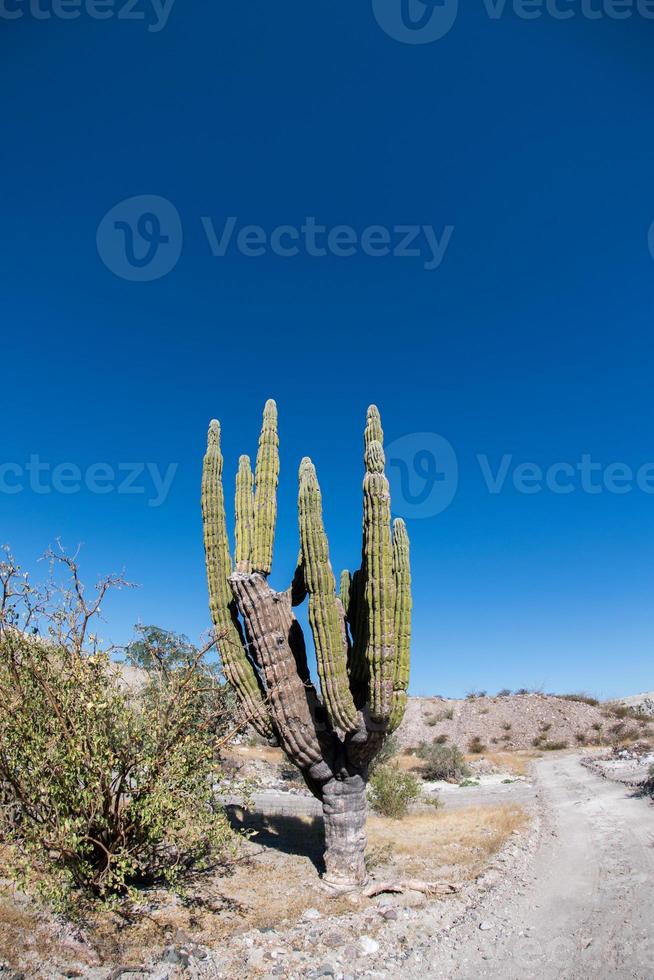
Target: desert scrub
pixel 390 748
pixel 392 791
pixel 443 762
pixel 106 786
pixel 476 746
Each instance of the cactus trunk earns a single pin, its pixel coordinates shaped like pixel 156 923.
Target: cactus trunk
pixel 361 636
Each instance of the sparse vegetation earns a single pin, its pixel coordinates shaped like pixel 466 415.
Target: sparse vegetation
pixel 105 787
pixel 581 697
pixel 443 762
pixel 392 791
pixel 388 751
pixel 476 746
pixel 554 746
pixel 504 693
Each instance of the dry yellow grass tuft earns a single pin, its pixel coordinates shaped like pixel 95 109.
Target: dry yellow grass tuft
pixel 460 840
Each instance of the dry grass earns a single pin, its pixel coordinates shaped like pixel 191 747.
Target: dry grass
pixel 265 753
pixel 270 886
pixel 437 844
pixel 516 763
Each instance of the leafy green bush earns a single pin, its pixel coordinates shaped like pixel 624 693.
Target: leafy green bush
pixel 443 762
pixel 392 791
pixel 106 786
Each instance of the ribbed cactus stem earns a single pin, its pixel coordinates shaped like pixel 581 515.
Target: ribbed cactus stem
pixel 373 431
pixel 244 505
pixel 345 588
pixel 325 611
pixel 238 670
pixel 380 584
pixel 402 576
pixel 265 499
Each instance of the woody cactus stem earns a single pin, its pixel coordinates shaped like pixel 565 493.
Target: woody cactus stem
pixel 361 636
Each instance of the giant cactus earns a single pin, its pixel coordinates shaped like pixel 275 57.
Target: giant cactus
pixel 361 634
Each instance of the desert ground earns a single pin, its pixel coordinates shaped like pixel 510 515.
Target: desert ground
pixel 542 862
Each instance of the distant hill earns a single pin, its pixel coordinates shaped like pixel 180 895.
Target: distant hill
pixel 517 721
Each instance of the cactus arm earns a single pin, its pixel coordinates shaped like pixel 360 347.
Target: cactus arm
pixel 345 590
pixel 244 506
pixel 238 669
pixel 402 576
pixel 325 610
pixel 274 634
pixel 373 431
pixel 265 498
pixel 379 584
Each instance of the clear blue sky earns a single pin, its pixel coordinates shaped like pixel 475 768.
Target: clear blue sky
pixel 533 139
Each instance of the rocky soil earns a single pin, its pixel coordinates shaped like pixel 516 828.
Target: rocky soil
pixel 516 722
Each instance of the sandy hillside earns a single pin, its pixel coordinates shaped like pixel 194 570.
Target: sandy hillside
pixel 641 702
pixel 516 721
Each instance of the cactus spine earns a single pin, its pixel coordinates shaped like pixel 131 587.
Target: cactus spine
pixel 361 636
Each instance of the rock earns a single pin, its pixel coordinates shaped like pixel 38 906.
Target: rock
pixel 333 939
pixel 390 915
pixel 175 956
pixel 368 946
pixel 485 926
pixel 311 914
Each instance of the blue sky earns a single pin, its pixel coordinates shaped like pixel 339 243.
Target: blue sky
pixel 532 339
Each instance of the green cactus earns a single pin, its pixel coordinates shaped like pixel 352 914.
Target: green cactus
pixel 325 611
pixel 244 524
pixel 265 498
pixel 238 669
pixel 402 621
pixel 380 583
pixel 361 636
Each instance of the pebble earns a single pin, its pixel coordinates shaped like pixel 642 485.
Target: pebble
pixel 311 914
pixel 368 946
pixel 485 926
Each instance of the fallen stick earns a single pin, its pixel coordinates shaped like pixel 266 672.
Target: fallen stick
pixel 413 885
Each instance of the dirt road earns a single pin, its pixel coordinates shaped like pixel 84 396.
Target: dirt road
pixel 583 907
